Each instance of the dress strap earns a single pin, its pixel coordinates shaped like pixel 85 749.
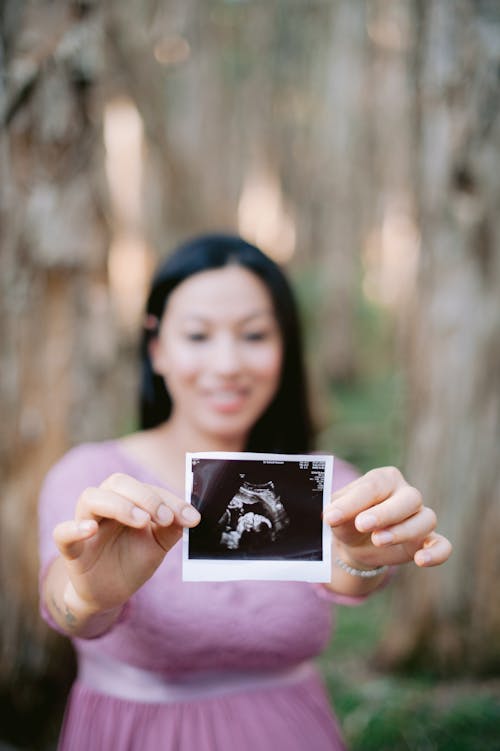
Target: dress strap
pixel 121 680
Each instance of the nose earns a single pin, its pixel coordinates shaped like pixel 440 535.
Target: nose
pixel 226 356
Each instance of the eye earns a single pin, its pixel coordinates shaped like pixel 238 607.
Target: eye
pixel 256 336
pixel 196 336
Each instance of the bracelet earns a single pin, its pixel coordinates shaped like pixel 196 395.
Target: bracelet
pixel 368 573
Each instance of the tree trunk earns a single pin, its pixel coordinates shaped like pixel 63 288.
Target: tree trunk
pixel 448 619
pixel 338 212
pixel 59 349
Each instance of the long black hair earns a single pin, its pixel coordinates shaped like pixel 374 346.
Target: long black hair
pixel 286 424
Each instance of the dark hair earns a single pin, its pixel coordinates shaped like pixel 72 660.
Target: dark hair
pixel 286 424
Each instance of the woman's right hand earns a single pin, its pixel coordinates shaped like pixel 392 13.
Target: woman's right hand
pixel 118 538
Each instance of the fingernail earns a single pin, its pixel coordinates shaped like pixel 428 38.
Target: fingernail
pixel 190 514
pixel 366 522
pixel 423 556
pixel 333 516
pixel 86 525
pixel 140 515
pixel 383 537
pixel 164 514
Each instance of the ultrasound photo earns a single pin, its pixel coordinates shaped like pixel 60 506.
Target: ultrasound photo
pixel 260 517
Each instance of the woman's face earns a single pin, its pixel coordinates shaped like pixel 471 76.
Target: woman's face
pixel 220 351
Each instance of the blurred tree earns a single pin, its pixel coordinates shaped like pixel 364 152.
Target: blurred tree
pixel 60 352
pixel 292 121
pixel 242 130
pixel 332 183
pixel 449 619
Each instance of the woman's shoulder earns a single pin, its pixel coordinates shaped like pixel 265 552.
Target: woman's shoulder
pixel 89 451
pixel 84 459
pixel 343 473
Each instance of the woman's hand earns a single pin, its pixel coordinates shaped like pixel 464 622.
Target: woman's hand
pixel 379 519
pixel 118 538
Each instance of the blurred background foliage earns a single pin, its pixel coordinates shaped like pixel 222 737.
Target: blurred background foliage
pixel 403 711
pixel 358 144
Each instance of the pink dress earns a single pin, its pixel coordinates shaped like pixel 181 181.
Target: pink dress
pixel 194 666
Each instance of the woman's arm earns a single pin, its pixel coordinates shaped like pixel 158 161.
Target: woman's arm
pixel 121 532
pixel 69 613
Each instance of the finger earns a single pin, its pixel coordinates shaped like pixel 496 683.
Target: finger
pixel 185 513
pixel 99 503
pixel 163 507
pixel 166 537
pixel 413 529
pixel 69 536
pixel 405 502
pixel 370 489
pixel 142 496
pixel 381 481
pixel 435 550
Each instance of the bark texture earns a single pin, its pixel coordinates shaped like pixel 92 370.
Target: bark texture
pixel 59 348
pixel 449 619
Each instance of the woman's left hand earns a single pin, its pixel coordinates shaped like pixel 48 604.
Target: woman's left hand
pixel 379 519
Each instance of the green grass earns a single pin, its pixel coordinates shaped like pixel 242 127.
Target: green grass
pixel 380 712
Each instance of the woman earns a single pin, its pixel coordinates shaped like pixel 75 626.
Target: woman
pixel 166 664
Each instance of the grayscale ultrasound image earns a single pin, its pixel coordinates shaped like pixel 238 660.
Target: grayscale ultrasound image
pixel 257 509
pixel 254 517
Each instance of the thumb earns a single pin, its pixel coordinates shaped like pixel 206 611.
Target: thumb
pixel 70 536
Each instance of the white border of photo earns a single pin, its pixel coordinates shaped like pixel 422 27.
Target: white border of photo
pixel 208 569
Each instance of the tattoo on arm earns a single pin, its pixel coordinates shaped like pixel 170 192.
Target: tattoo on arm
pixel 68 617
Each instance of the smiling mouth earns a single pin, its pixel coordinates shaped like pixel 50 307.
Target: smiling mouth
pixel 228 400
